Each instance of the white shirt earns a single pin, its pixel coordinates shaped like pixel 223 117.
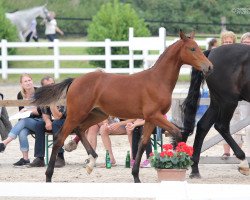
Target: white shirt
pixel 50 27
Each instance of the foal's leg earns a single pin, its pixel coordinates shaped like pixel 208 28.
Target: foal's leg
pixel 72 121
pixel 63 133
pixel 147 131
pixel 159 120
pixel 203 126
pixel 96 116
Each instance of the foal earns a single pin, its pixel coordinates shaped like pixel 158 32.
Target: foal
pixel 91 98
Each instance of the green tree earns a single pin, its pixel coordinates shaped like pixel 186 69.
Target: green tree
pixel 7 30
pixel 113 22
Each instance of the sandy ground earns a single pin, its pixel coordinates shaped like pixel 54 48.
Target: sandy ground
pixel 74 171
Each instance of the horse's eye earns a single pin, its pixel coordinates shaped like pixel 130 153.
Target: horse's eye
pixel 192 49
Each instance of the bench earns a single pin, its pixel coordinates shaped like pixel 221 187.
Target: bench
pixel 156 140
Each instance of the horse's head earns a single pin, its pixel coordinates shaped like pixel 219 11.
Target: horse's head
pixel 192 55
pixel 44 12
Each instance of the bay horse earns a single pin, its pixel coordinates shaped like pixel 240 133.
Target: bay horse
pixel 228 84
pixel 91 98
pixel 22 19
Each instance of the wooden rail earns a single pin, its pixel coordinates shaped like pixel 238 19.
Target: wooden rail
pixel 14 103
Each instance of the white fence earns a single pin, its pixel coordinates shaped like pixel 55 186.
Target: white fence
pixel 145 44
pixel 159 191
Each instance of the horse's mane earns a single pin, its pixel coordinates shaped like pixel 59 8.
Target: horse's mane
pixel 190 104
pixel 25 10
pixel 169 48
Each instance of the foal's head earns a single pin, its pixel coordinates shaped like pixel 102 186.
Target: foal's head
pixel 192 55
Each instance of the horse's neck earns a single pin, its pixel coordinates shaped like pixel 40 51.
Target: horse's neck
pixel 26 15
pixel 167 67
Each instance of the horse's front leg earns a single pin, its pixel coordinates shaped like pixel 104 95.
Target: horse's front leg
pixel 159 120
pixel 21 37
pixel 203 126
pixel 147 131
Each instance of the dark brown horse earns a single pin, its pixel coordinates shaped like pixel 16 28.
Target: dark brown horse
pixel 91 98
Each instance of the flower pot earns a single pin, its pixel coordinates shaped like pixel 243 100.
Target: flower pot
pixel 171 174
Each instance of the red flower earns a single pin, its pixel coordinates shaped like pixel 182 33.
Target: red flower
pixel 162 154
pixel 169 153
pixel 151 154
pixel 181 144
pixel 167 147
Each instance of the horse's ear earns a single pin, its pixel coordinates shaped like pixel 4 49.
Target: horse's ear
pixel 192 34
pixel 182 35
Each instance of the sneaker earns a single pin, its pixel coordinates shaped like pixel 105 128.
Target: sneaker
pixel 38 162
pixel 145 164
pixel 71 146
pixel 2 147
pixel 22 162
pixel 225 156
pixel 59 162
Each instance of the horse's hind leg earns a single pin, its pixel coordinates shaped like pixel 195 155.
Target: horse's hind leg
pixel 72 121
pixel 203 126
pixel 59 141
pixel 223 128
pixel 96 116
pixel 147 131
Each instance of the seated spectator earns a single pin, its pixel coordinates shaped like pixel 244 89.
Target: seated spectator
pixel 110 126
pixel 26 125
pixel 113 126
pixel 135 128
pixel 5 125
pixel 58 115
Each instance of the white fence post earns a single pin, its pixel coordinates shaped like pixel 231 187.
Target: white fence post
pixel 131 52
pixel 108 55
pixel 4 59
pixel 145 60
pixel 162 36
pixel 56 59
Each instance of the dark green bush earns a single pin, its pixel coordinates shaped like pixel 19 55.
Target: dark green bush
pixel 7 30
pixel 113 22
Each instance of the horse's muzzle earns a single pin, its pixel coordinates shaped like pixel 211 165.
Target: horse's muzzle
pixel 207 70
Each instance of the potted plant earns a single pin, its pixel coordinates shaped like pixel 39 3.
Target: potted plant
pixel 171 164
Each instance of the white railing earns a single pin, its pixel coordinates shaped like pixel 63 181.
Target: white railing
pixel 159 191
pixel 134 43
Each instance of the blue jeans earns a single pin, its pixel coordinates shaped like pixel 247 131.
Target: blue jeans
pixel 40 138
pixel 23 127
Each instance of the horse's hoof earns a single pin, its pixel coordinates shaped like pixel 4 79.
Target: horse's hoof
pixel 89 169
pixel 244 171
pixel 48 180
pixel 195 175
pixel 137 180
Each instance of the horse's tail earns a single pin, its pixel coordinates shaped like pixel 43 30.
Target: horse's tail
pixel 190 105
pixel 49 94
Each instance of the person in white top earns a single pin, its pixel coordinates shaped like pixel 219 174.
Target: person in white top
pixel 51 27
